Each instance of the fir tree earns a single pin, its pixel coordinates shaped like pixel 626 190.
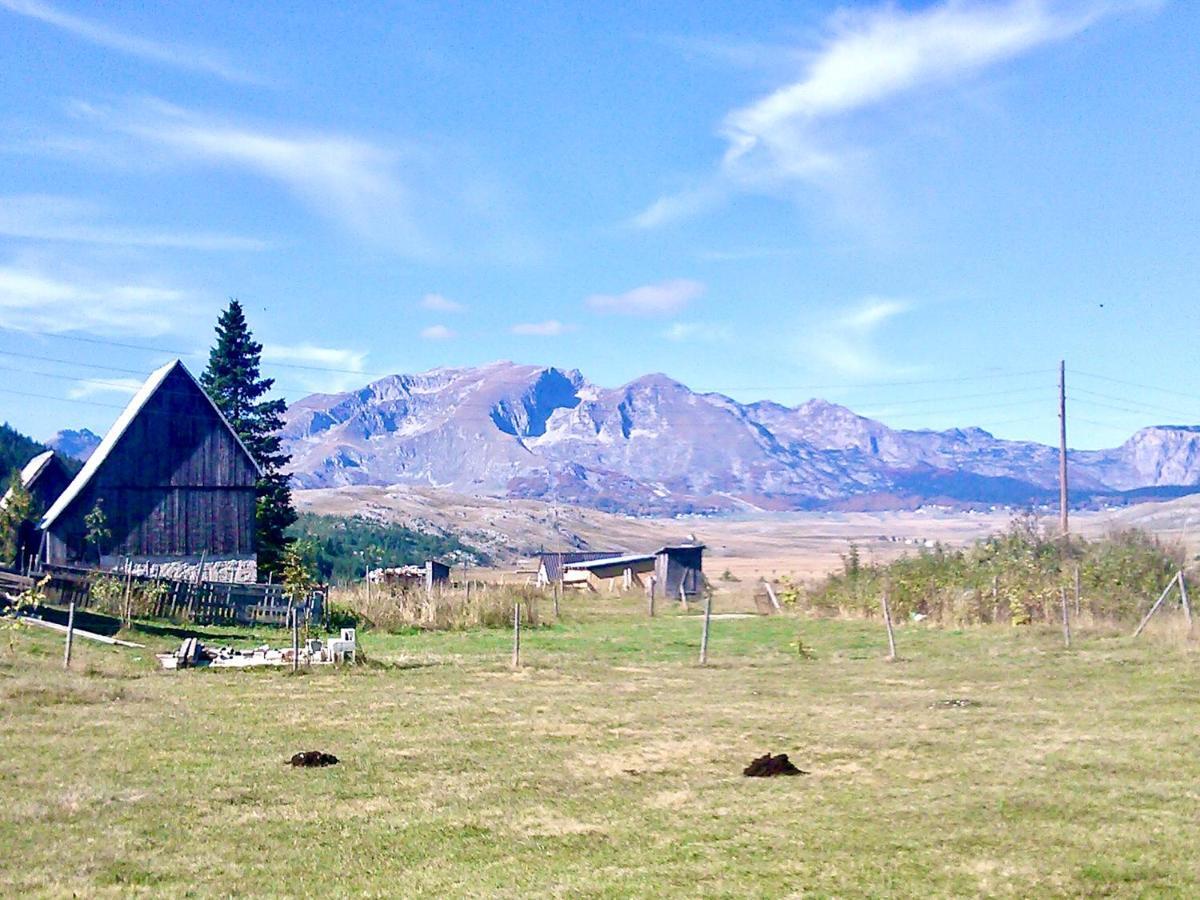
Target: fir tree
pixel 234 382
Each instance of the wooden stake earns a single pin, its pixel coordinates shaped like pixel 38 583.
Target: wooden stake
pixel 70 635
pixel 704 633
pixel 771 594
pixel 651 592
pixel 516 654
pixel 995 599
pixel 128 588
pixel 683 597
pixel 1063 523
pixel 887 621
pixel 1183 598
pixel 295 639
pixel 556 595
pixel 1062 592
pixel 1157 603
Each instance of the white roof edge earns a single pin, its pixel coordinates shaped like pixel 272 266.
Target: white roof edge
pixel 118 429
pixel 29 472
pixel 609 561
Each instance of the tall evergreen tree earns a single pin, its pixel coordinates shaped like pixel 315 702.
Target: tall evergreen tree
pixel 235 383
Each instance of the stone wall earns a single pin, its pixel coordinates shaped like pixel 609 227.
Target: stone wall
pixel 236 569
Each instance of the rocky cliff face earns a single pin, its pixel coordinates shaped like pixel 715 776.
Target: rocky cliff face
pixel 76 444
pixel 653 445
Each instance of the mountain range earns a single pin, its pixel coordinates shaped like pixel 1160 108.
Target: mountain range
pixel 655 446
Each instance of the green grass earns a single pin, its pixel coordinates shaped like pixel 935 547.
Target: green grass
pixel 610 765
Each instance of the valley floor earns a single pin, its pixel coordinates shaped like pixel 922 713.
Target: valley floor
pixel 610 765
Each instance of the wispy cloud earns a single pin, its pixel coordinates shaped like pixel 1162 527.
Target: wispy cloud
pixel 319 368
pixel 549 328
pixel 90 387
pixel 848 343
pixel 33 300
pixel 438 333
pixel 662 299
pixel 698 332
pixel 441 303
pixel 867 58
pixel 66 219
pixel 420 200
pixel 178 56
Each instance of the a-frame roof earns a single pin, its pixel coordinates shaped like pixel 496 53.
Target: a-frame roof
pixel 119 427
pixel 32 470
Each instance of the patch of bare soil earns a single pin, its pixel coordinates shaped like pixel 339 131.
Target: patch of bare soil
pixel 313 759
pixel 768 766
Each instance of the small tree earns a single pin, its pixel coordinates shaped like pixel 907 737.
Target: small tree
pixel 98 532
pixel 19 507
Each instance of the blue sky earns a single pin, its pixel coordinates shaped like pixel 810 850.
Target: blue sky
pixel 915 209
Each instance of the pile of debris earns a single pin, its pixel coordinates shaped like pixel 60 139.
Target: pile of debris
pixel 313 652
pixel 313 759
pixel 768 766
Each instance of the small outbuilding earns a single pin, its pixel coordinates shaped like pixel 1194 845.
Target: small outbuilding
pixel 628 569
pixel 429 575
pixel 680 567
pixel 552 564
pixel 45 477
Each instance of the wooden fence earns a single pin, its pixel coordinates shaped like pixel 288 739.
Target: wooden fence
pixel 203 603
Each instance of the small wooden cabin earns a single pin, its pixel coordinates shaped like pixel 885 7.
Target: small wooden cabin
pixel 608 569
pixel 45 477
pixel 677 566
pixel 176 484
pixel 428 575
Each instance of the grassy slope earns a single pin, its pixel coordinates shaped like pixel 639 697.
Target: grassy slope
pixel 610 766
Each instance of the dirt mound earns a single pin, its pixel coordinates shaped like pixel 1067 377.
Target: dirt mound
pixel 312 759
pixel 768 766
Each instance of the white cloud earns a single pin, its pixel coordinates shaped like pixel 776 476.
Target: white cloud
pixel 549 328
pixel 330 369
pixel 867 58
pixel 663 298
pixel 31 300
pixel 437 333
pixel 698 332
pixel 53 218
pixel 178 56
pixel 848 343
pixel 423 200
pixel 441 303
pixel 90 387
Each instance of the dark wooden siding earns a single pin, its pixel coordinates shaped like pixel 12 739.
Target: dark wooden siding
pixel 51 481
pixel 176 484
pixel 675 566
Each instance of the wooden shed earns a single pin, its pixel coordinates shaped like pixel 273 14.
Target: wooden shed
pixel 681 565
pixel 45 477
pixel 175 482
pixel 628 569
pixel 552 563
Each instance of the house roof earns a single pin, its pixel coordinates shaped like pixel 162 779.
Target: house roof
pixel 606 561
pixel 32 470
pixel 672 547
pixel 552 560
pixel 119 427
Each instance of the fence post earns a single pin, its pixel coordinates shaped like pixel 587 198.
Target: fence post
pixel 516 654
pixel 556 590
pixel 653 588
pixel 1158 603
pixel 1062 591
pixel 295 640
pixel 70 635
pixel 704 633
pixel 1077 591
pixel 887 621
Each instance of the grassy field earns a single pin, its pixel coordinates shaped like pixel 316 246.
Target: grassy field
pixel 610 765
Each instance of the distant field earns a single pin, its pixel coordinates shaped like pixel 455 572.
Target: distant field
pixel 609 765
pixel 802 545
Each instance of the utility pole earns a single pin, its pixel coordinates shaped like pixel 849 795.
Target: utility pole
pixel 1062 448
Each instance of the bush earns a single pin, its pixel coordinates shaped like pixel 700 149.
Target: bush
pixel 1012 577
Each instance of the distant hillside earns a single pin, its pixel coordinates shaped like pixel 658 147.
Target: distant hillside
pixel 654 446
pixel 15 450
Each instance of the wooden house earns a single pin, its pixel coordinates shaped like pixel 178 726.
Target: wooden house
pixel 175 483
pixel 680 566
pixel 45 477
